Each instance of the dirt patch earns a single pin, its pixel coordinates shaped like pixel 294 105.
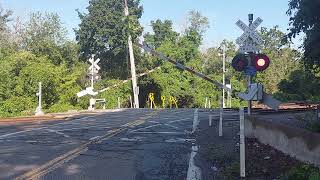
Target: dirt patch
pixel 218 157
pixel 265 162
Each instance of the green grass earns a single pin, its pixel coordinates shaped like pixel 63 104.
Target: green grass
pixel 304 172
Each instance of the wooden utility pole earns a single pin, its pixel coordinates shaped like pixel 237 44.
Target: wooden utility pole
pixel 135 88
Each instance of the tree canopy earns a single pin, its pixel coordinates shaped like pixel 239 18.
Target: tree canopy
pixel 305 18
pixel 104 31
pixel 38 50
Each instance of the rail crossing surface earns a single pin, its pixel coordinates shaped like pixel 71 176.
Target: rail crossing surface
pixel 130 144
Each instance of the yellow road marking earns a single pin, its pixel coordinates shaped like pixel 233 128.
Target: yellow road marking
pixel 57 162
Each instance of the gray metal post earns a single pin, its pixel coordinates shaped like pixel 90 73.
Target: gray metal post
pixel 132 64
pixel 221 118
pixel 242 145
pixel 250 16
pixel 223 75
pixel 318 112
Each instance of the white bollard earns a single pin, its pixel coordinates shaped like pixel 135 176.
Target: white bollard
pixel 221 118
pixel 131 105
pixel 119 104
pixel 242 145
pixel 210 120
pixel 205 105
pixel 39 111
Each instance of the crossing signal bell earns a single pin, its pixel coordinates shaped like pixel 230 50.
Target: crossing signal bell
pixel 258 61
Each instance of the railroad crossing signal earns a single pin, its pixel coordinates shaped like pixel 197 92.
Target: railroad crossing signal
pixel 87 91
pixel 259 62
pixel 250 38
pixel 93 76
pixel 240 62
pixel 267 99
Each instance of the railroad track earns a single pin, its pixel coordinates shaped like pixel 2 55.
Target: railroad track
pixel 265 111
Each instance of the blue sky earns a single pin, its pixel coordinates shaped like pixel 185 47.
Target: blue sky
pixel 222 14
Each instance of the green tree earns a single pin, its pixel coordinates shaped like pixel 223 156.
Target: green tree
pixel 284 59
pixel 163 31
pixel 197 22
pixel 304 17
pixel 104 32
pixel 5 17
pixel 300 86
pixel 44 35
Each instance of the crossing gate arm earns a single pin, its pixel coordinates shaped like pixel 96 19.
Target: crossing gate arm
pixel 180 66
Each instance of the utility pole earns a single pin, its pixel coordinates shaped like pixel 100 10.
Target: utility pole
pixel 135 88
pixel 223 74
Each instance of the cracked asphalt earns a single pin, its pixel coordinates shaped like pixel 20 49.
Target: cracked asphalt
pixel 130 144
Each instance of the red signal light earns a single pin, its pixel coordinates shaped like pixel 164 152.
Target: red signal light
pixel 260 62
pixel 240 62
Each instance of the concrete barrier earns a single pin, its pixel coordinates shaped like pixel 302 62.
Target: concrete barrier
pixel 299 143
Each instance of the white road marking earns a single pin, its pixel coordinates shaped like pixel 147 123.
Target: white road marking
pixel 19 132
pixel 194 172
pixel 180 140
pixel 145 128
pixel 195 120
pixel 88 127
pixel 159 132
pixel 50 126
pixel 171 126
pixel 186 119
pixel 57 132
pixel 154 122
pixel 131 139
pixel 93 138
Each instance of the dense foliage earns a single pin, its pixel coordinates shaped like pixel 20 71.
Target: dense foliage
pixel 38 51
pixel 104 32
pixel 305 18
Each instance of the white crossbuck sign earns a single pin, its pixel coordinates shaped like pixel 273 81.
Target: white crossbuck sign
pixel 94 68
pixel 250 38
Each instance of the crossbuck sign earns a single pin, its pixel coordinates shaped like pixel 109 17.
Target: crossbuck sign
pixel 250 38
pixel 94 68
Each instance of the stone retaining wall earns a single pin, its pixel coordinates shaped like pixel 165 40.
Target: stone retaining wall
pixel 298 143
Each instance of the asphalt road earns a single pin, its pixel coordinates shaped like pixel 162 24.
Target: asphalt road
pixel 130 144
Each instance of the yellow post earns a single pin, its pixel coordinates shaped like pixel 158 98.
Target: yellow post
pixel 173 101
pixel 151 100
pixel 163 99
